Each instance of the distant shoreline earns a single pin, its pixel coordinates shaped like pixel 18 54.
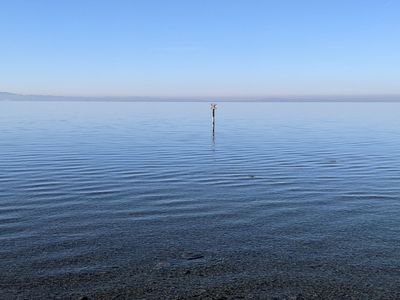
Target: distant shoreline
pixel 321 99
pixel 206 101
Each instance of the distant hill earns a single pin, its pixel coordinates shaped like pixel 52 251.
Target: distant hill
pixel 4 96
pixel 9 96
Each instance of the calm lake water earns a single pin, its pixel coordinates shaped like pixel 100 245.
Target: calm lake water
pixel 139 201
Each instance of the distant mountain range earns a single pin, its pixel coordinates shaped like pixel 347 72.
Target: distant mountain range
pixel 4 96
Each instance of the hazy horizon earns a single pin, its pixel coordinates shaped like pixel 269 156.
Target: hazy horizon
pixel 241 49
pixel 271 96
pixel 6 96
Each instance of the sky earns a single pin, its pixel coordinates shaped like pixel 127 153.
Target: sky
pixel 200 48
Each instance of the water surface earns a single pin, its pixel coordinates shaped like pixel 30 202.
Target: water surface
pixel 139 201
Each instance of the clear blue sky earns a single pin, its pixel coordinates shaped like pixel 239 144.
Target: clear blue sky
pixel 200 47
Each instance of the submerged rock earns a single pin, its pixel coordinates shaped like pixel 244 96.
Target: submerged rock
pixel 192 256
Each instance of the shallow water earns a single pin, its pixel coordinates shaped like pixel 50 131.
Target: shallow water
pixel 139 200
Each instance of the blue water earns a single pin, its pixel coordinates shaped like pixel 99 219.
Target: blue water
pixel 140 201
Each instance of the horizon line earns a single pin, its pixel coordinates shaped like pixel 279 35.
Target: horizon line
pixel 249 98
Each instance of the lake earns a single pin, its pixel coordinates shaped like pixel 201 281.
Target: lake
pixel 141 201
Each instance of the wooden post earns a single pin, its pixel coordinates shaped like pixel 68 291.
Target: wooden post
pixel 213 108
